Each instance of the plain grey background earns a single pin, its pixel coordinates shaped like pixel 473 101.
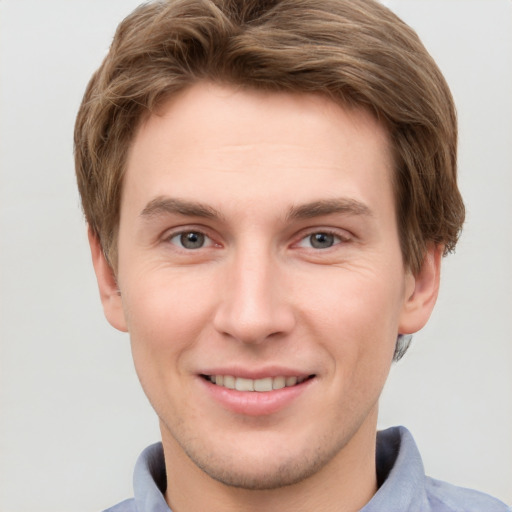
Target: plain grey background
pixel 73 418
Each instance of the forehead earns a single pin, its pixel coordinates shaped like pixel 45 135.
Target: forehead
pixel 217 143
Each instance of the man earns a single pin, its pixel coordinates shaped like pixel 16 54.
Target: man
pixel 269 189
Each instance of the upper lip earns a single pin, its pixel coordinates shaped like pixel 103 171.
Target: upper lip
pixel 256 373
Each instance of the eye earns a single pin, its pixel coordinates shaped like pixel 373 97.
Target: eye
pixel 320 240
pixel 190 240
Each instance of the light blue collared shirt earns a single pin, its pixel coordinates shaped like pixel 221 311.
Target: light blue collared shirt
pixel 403 484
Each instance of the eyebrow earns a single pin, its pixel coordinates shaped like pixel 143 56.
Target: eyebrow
pixel 323 207
pixel 168 205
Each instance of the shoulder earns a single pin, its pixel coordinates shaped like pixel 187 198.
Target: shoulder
pixel 149 483
pixel 405 487
pixel 445 497
pixel 124 506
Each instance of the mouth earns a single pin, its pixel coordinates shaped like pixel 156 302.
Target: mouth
pixel 263 385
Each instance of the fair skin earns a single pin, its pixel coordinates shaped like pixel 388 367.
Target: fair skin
pixel 258 246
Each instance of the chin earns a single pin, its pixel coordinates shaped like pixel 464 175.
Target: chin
pixel 263 470
pixel 288 473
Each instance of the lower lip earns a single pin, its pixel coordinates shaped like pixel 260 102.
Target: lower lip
pixel 255 403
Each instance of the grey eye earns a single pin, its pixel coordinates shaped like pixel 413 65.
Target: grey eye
pixel 191 240
pixel 321 240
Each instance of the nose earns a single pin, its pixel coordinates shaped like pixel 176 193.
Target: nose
pixel 254 305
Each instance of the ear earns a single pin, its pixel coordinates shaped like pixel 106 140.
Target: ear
pixel 422 291
pixel 109 291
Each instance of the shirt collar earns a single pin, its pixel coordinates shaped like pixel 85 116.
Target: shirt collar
pixel 150 480
pixel 400 469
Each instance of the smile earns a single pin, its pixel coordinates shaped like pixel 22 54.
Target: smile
pixel 261 385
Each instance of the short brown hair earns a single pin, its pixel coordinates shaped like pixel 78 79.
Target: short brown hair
pixel 354 51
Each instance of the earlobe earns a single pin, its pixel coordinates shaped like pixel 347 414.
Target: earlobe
pixel 107 284
pixel 420 301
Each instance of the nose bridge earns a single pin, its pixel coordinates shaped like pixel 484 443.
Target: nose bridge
pixel 254 305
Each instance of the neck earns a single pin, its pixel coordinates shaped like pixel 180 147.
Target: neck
pixel 345 484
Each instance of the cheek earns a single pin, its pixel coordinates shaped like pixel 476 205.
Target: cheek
pixel 165 321
pixel 357 314
pixel 165 316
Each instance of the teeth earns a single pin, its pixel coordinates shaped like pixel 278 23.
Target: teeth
pixel 229 381
pixel 243 384
pixel 262 385
pixel 291 381
pixel 278 382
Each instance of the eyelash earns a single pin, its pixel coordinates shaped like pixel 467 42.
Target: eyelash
pixel 337 239
pixel 184 232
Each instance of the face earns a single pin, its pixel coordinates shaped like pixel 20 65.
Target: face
pixel 261 280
